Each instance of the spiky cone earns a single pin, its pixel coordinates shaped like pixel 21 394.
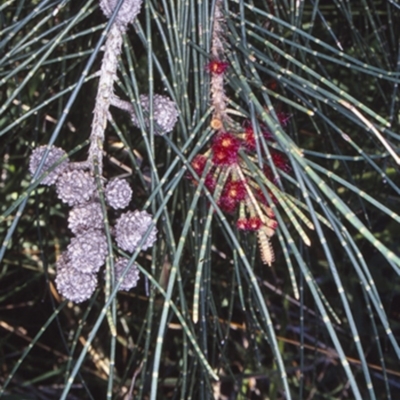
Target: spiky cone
pixel 75 187
pixel 87 251
pixel 55 153
pixel 118 193
pixel 75 285
pixel 130 279
pixel 164 111
pixel 85 217
pixel 130 229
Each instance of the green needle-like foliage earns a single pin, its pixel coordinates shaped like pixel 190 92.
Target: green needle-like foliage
pixel 209 319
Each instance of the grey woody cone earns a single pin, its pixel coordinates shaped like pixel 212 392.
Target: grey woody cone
pixel 73 284
pixel 164 111
pixel 84 217
pixel 130 229
pixel 88 251
pixel 54 155
pixel 127 12
pixel 131 278
pixel 75 187
pixel 118 193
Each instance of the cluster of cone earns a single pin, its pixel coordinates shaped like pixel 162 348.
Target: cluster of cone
pixel 78 266
pixel 240 191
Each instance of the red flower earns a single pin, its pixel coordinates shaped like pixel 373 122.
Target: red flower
pixel 235 190
pixel 254 224
pixel 260 196
pixel 225 149
pixel 283 118
pixel 227 204
pixel 199 163
pixel 249 138
pixel 249 224
pixel 217 67
pixel 273 85
pixel 233 193
pixel 273 224
pixel 280 161
pixel 210 182
pixel 241 224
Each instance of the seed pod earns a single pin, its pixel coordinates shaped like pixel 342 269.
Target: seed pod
pixel 54 155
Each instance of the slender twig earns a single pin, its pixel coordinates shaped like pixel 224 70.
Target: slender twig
pixel 108 74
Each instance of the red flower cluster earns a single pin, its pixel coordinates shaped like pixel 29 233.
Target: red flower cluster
pixel 225 149
pixel 224 158
pixel 239 189
pixel 217 67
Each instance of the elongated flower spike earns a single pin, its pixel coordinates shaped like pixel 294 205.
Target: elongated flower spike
pixel 266 250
